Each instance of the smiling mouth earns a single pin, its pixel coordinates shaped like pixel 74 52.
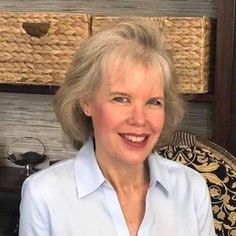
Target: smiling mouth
pixel 134 138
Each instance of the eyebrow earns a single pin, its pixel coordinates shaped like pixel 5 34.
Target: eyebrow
pixel 159 98
pixel 127 95
pixel 119 93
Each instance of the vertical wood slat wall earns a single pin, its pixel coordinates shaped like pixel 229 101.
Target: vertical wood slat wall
pixel 224 72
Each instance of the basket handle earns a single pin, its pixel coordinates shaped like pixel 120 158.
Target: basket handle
pixel 36 29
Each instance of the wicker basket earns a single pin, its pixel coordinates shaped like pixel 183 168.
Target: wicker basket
pixel 189 38
pixel 36 48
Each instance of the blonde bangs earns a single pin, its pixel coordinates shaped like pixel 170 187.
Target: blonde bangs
pixel 117 61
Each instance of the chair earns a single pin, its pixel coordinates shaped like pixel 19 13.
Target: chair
pixel 219 169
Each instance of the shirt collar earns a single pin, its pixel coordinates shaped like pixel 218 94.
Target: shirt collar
pixel 159 174
pixel 88 175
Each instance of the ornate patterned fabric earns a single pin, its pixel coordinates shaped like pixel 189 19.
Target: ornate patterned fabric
pixel 219 169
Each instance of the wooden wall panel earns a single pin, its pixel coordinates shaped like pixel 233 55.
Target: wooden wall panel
pixel 128 7
pixel 232 143
pixel 196 112
pixel 31 115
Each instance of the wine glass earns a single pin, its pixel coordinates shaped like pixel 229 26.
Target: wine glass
pixel 18 153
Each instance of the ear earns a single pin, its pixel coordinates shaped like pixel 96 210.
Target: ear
pixel 86 107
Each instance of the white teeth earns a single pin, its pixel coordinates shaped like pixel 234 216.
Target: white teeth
pixel 134 138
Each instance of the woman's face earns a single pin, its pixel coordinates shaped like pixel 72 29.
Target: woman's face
pixel 127 114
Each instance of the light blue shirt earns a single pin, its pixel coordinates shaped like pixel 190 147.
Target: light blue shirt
pixel 72 198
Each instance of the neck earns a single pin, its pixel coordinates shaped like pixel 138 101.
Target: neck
pixel 125 178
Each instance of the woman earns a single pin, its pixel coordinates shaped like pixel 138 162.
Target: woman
pixel 119 100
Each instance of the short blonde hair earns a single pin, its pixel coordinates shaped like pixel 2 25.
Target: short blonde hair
pixel 139 41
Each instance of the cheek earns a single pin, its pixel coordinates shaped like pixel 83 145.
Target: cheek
pixel 104 119
pixel 157 121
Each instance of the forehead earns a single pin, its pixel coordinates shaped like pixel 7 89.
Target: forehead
pixel 132 76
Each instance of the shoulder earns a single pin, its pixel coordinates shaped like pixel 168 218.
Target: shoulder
pixel 174 167
pixel 178 175
pixel 49 178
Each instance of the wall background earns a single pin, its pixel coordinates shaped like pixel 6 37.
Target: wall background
pixel 32 114
pixel 117 7
pixel 232 143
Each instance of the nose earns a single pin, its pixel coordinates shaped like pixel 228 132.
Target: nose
pixel 137 115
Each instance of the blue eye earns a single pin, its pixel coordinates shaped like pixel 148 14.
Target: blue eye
pixel 155 102
pixel 121 99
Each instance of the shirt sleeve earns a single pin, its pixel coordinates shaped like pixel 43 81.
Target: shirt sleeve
pixel 204 211
pixel 34 217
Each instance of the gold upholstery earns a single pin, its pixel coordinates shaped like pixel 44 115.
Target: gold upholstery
pixel 219 169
